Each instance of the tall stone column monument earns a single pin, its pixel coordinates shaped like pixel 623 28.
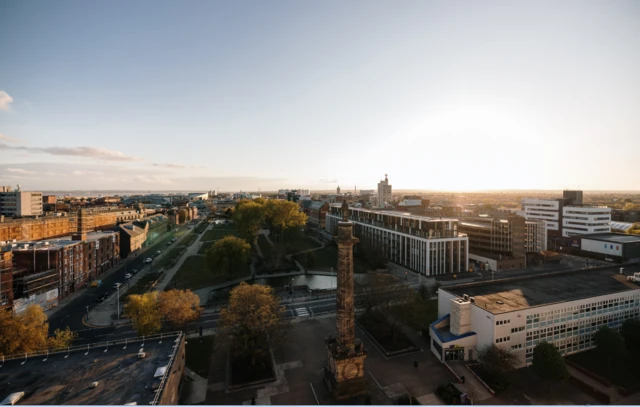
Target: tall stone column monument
pixel 344 371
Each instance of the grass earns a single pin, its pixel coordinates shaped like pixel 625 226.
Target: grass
pixel 327 257
pixel 140 287
pixel 624 371
pixel 218 232
pixel 299 243
pixel 194 274
pixel 205 246
pixel 199 352
pixel 377 326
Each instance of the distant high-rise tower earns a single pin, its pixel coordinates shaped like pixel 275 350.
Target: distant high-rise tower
pixel 338 189
pixel 384 191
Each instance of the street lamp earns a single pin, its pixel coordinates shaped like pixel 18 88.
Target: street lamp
pixel 87 313
pixel 118 299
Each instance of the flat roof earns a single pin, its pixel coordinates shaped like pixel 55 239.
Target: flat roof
pixel 406 215
pixel 612 237
pixel 534 291
pixel 122 377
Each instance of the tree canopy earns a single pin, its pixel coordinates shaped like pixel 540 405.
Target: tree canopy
pixel 28 332
pixel 249 217
pixel 496 360
pixel 631 333
pixel 144 312
pixel 548 363
pixel 228 255
pixel 179 307
pixel 609 343
pixel 252 316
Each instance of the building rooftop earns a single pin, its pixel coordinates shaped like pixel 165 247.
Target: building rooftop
pixel 406 215
pixel 534 291
pixel 621 225
pixel 122 377
pixel 612 237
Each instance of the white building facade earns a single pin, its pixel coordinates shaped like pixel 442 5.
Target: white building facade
pixel 580 220
pixel 20 203
pixel 547 210
pixel 428 246
pixel 535 236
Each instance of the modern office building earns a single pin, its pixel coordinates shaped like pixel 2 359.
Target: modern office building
pixel 20 203
pixel 565 309
pixel 428 246
pixel 384 192
pixel 568 216
pixel 535 236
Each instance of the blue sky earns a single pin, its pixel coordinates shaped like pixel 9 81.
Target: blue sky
pixel 441 95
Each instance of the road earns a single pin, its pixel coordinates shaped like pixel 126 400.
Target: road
pixel 208 320
pixel 71 314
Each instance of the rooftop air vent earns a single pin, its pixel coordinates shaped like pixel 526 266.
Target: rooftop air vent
pixel 93 385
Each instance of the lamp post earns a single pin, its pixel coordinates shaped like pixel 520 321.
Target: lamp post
pixel 292 290
pixel 118 299
pixel 87 313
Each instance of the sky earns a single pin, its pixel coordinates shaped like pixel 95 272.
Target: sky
pixel 247 95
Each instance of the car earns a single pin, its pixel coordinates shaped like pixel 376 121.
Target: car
pixel 148 260
pixel 128 276
pixel 102 297
pixel 116 286
pixel 158 252
pixel 134 271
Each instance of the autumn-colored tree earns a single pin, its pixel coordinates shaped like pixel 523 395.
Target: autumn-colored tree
pixel 251 320
pixel 179 307
pixel 249 218
pixel 284 217
pixel 62 338
pixel 27 332
pixel 228 255
pixel 144 312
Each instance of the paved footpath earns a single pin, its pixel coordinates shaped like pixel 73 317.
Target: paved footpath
pixel 102 314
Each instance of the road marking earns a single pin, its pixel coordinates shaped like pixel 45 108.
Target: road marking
pixel 374 379
pixel 302 312
pixel 314 393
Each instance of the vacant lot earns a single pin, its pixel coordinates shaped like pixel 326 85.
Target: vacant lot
pixel 194 274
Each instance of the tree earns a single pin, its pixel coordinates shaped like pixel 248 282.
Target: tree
pixel 548 363
pixel 144 312
pixel 631 333
pixel 284 216
pixel 228 255
pixel 609 343
pixel 28 332
pixel 631 207
pixel 496 360
pixel 249 218
pixel 251 320
pixel 179 307
pixel 62 338
pixel 229 212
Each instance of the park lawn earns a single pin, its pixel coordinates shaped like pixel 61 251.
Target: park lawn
pixel 218 232
pixel 265 247
pixel 327 257
pixel 300 243
pixel 140 287
pixel 194 274
pixel 624 371
pixel 205 246
pixel 170 256
pixel 198 356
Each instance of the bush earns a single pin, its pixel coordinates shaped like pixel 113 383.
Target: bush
pixel 449 394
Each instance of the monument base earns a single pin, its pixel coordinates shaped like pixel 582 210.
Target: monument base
pixel 344 371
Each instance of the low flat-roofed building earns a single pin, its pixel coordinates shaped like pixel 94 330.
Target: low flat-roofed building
pixel 121 375
pixel 614 247
pixel 564 308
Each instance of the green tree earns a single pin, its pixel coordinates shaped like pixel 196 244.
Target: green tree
pixel 631 333
pixel 496 360
pixel 609 343
pixel 251 320
pixel 549 364
pixel 249 218
pixel 228 255
pixel 144 312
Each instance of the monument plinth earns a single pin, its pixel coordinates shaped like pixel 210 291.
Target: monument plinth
pixel 344 371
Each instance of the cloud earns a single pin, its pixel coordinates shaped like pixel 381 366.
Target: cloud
pixel 20 171
pixel 152 179
pixel 9 139
pixel 85 172
pixel 5 100
pixel 89 152
pixel 168 165
pixel 329 181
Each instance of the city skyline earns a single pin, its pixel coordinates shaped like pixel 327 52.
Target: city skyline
pixel 442 96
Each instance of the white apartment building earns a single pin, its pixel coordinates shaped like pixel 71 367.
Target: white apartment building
pixel 566 309
pixel 20 203
pixel 429 246
pixel 543 209
pixel 580 220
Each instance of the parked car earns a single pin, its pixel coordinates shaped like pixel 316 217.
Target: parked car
pixel 96 283
pixel 134 271
pixel 128 276
pixel 117 285
pixel 102 297
pixel 148 260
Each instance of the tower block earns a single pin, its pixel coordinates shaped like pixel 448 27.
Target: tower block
pixel 344 371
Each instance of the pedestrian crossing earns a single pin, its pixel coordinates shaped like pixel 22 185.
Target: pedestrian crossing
pixel 302 312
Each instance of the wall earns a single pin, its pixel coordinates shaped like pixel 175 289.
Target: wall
pixel 444 302
pixel 171 392
pixel 599 246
